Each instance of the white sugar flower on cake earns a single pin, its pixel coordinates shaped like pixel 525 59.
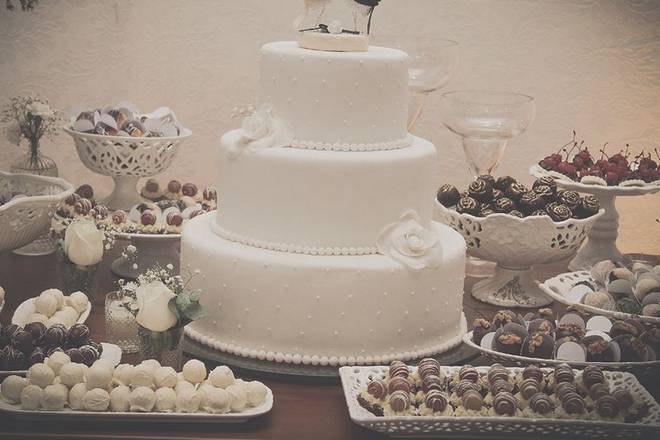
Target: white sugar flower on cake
pixel 408 242
pixel 261 130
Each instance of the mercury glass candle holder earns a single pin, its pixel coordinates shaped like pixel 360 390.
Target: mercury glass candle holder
pixel 121 328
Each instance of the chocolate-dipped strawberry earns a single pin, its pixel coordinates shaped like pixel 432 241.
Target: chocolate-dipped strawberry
pixel 398 383
pixel 377 388
pixel 598 390
pixel 497 372
pixel 538 345
pixel 505 404
pixel 481 190
pixel 431 382
pixel 398 368
pixel 436 401
pixel 607 406
pixel 515 191
pixel 564 373
pixel 472 400
pixel 528 387
pixel 399 401
pixel 148 218
pixel 573 403
pixel 480 327
pixel 591 375
pixel 541 403
pixel 623 397
pixel 509 338
pixel 469 373
pixel 504 182
pixel 448 195
pixel 465 385
pixel 467 205
pixel 533 372
pixel 428 367
pixel 500 385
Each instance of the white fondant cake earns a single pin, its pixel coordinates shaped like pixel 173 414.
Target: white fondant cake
pixel 327 257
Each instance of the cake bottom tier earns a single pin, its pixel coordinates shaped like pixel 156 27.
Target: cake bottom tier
pixel 322 310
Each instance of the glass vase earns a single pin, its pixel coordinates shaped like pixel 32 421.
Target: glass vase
pixel 34 162
pixel 166 347
pixel 121 328
pixel 76 278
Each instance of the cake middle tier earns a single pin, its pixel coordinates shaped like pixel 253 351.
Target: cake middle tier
pixel 321 202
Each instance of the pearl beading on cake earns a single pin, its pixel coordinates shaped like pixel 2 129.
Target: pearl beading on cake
pixel 297 358
pixel 338 146
pixel 292 248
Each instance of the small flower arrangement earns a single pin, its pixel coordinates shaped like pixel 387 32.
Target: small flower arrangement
pixel 82 240
pixel 29 118
pixel 161 301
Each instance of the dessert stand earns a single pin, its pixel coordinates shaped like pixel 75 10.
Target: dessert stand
pixel 151 249
pixel 560 288
pixel 355 379
pixel 126 160
pixel 640 369
pixel 24 219
pixel 601 244
pixel 516 244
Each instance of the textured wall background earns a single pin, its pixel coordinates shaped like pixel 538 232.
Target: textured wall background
pixel 592 65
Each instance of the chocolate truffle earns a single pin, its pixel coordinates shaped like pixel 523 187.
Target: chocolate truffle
pixel 89 354
pixel 505 404
pixel 75 355
pixel 589 206
pixel 36 357
pixel 100 212
pixel 509 338
pixel 152 186
pixel 82 207
pixel 624 397
pixel 14 359
pixel 558 212
pixel 467 205
pixel 569 330
pixel 72 199
pixel 515 191
pixel 539 212
pixel 148 218
pixel 85 191
pixel 545 193
pixel 189 189
pixel 77 335
pixel 480 327
pixel 377 388
pixel 486 210
pixel 504 317
pixel 598 349
pixel 119 217
pixel 504 205
pixel 37 329
pixel 399 401
pixel 516 213
pixel 530 202
pixel 598 390
pixel 652 338
pixel 398 368
pixel 541 403
pixel 488 178
pixel 632 348
pixel 436 400
pixel 546 181
pixel 55 336
pixel 538 345
pixel 23 341
pixel 174 186
pixel 448 195
pixel 503 183
pixel 497 194
pixel 626 327
pixel 571 199
pixel 174 218
pixel 541 325
pixel 481 190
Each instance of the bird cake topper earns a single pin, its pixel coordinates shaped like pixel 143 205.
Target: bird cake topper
pixel 336 25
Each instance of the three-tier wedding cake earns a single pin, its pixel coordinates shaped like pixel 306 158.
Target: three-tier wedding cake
pixel 323 250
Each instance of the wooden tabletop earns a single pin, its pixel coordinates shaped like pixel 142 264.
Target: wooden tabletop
pixel 303 408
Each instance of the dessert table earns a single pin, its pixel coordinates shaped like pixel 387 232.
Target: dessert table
pixel 303 408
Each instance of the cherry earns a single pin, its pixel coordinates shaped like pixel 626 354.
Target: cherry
pixel 611 178
pixel 567 169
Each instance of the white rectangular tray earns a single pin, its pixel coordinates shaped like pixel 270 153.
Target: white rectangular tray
pixel 69 415
pixel 355 379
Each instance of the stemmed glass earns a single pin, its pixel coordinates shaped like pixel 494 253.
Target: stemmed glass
pixel 486 121
pixel 431 64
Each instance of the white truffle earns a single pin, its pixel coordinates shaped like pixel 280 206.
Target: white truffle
pixel 72 374
pixel 56 360
pixel 78 301
pixel 40 375
pixel 77 395
pixel 119 399
pixel 63 318
pixel 142 377
pixel 142 399
pixel 165 377
pixel 99 375
pixel 59 296
pixel 123 374
pixel 38 317
pixel 205 386
pixel 216 400
pixel 165 400
pixel 256 392
pixel 12 387
pixel 238 397
pixel 183 385
pixel 31 398
pixel 96 400
pixel 221 376
pixel 152 364
pixel 54 397
pixel 46 304
pixel 187 401
pixel 194 371
pixel 70 312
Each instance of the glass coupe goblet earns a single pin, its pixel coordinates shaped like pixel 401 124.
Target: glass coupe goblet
pixel 486 121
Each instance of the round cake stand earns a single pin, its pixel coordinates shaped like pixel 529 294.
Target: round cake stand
pixel 126 159
pixel 457 354
pixel 601 241
pixel 152 249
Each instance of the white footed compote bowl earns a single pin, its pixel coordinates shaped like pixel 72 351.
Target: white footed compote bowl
pixel 27 201
pixel 601 244
pixel 486 121
pixel 126 160
pixel 516 245
pixel 431 64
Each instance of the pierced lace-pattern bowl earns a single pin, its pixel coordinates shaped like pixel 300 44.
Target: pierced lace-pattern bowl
pixel 24 219
pixel 355 379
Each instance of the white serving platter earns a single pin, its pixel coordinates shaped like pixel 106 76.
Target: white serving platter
pixel 355 379
pixel 111 352
pixel 70 415
pixel 559 288
pixel 26 309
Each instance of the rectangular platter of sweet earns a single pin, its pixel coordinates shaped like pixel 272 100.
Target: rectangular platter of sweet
pixel 490 402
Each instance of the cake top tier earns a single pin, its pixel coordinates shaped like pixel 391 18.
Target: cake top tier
pixel 337 100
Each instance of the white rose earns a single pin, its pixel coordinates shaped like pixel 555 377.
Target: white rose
pixel 258 125
pixel 83 243
pixel 154 313
pixel 40 109
pixel 408 242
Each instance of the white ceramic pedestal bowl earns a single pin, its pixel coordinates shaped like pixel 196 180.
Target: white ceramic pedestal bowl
pixel 516 245
pixel 24 219
pixel 601 244
pixel 126 160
